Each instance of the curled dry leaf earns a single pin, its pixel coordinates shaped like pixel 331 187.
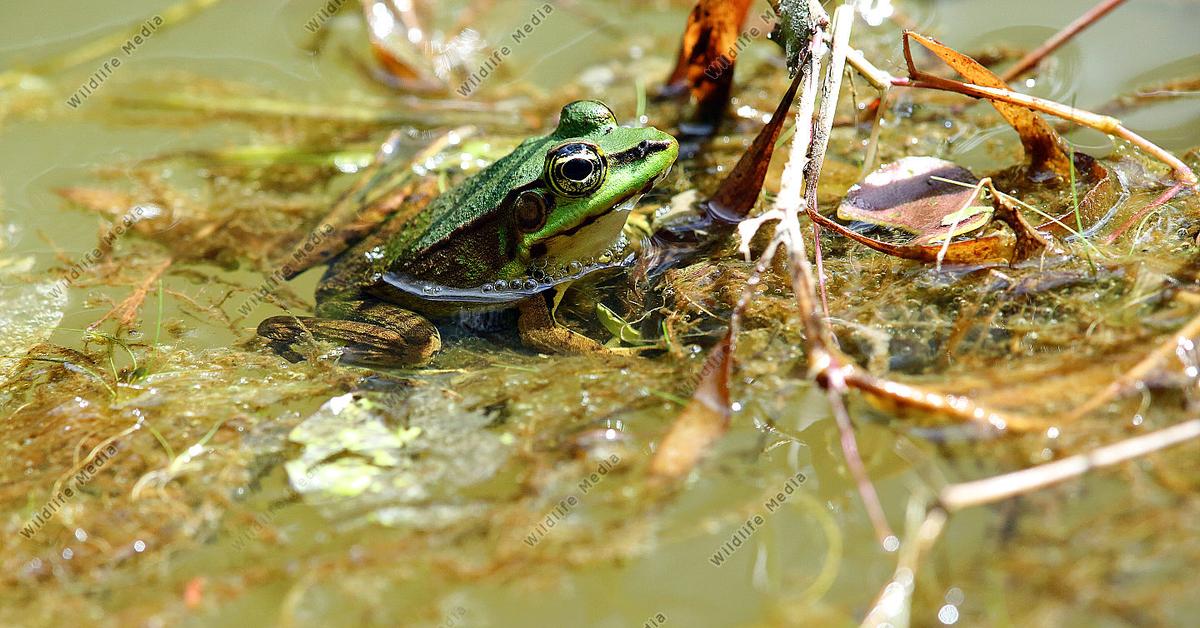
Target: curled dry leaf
pixel 987 249
pixel 677 242
pixel 1044 149
pixel 739 191
pixel 915 194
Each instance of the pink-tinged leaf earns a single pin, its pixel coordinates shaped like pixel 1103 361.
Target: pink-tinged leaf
pixel 913 195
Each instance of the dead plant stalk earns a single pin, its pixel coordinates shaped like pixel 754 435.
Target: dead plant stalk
pixel 825 362
pixel 1105 124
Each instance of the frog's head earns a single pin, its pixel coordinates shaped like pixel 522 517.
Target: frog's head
pixel 593 172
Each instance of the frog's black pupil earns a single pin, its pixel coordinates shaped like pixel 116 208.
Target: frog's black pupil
pixel 578 169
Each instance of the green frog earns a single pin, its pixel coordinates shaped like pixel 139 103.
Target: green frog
pixel 546 214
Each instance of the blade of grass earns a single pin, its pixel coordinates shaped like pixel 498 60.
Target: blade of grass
pixel 1075 204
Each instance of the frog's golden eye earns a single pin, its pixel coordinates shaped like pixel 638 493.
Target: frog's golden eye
pixel 530 210
pixel 575 169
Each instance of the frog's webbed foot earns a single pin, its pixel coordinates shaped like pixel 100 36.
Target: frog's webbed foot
pixel 540 332
pixel 368 332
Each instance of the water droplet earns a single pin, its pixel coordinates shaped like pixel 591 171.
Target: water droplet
pixel 68 553
pixel 487 287
pixel 531 284
pixel 502 285
pixel 139 546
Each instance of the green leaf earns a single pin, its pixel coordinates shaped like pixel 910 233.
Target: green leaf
pixel 617 326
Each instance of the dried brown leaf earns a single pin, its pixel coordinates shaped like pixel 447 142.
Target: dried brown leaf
pixel 703 421
pixel 705 66
pixel 1044 148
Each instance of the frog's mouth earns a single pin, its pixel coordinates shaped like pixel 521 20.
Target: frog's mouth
pixel 502 292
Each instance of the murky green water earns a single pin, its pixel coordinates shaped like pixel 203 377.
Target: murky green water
pixel 212 523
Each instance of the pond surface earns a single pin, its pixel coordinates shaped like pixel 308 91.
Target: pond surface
pixel 213 483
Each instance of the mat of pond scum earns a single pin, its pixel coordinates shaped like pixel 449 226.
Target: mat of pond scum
pixel 245 487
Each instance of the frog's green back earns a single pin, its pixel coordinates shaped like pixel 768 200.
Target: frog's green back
pixel 476 197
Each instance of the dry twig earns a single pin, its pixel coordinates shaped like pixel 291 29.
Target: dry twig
pixel 1030 61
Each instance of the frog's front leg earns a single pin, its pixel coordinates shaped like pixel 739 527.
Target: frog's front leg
pixel 540 332
pixel 369 332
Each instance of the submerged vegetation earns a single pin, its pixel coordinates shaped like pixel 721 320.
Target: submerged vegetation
pixel 861 370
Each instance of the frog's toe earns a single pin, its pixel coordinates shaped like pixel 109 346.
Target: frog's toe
pixel 540 332
pixel 631 352
pixel 405 341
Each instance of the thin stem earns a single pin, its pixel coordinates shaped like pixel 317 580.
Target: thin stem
pixel 831 87
pixel 1030 61
pixel 1104 124
pixel 1155 204
pixel 966 494
pixel 158 324
pixel 824 362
